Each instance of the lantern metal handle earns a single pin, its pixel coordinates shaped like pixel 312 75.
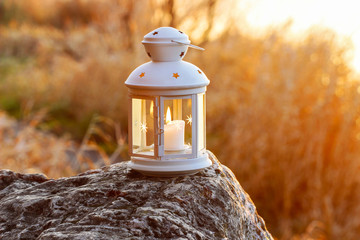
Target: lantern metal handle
pixel 190 45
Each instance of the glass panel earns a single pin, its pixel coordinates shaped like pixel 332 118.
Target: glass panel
pixel 202 122
pixel 143 126
pixel 177 126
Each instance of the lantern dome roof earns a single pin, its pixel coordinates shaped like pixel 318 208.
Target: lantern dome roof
pixel 166 46
pixel 167 75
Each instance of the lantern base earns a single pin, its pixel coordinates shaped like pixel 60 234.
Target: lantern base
pixel 169 168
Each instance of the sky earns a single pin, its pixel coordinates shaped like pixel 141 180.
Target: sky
pixel 343 16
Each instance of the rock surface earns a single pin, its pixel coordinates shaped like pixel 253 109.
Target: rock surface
pixel 117 203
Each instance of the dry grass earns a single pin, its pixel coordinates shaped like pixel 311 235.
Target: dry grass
pixel 25 149
pixel 293 138
pixel 289 125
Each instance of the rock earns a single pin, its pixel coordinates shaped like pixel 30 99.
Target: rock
pixel 117 203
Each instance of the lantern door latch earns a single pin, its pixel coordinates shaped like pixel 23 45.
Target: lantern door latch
pixel 160 143
pixel 160 130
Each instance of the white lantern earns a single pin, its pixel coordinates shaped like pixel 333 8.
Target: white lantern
pixel 167 108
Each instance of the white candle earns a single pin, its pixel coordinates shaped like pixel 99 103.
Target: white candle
pixel 173 133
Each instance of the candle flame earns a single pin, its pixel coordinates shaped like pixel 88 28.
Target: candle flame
pixel 168 115
pixel 152 109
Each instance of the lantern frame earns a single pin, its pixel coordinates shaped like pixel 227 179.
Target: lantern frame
pixel 158 136
pixel 171 164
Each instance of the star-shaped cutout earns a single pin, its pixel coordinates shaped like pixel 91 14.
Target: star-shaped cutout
pixel 189 119
pixel 176 75
pixel 143 127
pixel 182 54
pixel 199 72
pixel 142 74
pixel 154 33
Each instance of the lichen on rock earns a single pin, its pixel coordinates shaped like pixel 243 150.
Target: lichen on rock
pixel 116 202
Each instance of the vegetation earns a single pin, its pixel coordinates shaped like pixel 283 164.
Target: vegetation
pixel 289 126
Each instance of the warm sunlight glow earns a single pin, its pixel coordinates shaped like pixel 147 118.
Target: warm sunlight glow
pixel 341 16
pixel 168 115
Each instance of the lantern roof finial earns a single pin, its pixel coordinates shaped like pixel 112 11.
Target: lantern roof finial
pixel 166 35
pixel 167 44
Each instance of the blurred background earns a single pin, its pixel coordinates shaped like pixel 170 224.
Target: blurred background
pixel 284 78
